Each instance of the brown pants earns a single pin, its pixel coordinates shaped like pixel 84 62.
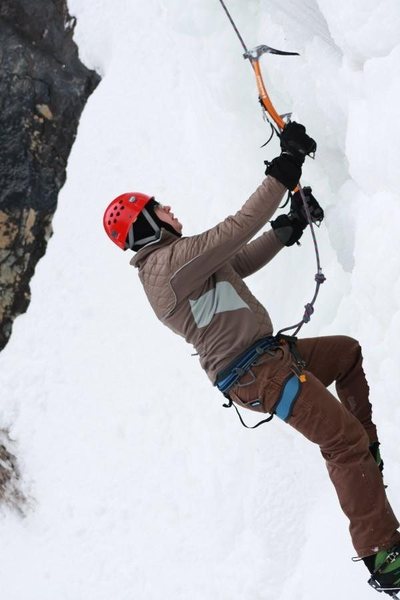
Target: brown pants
pixel 343 430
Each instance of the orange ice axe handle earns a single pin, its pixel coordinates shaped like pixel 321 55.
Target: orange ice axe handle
pixel 253 56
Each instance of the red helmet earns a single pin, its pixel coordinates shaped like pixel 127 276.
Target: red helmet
pixel 121 213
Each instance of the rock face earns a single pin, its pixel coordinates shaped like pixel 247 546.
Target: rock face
pixel 11 493
pixel 43 90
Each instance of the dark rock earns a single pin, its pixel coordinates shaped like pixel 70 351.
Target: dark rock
pixel 43 90
pixel 11 485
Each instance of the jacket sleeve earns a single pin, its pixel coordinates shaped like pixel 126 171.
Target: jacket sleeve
pixel 199 256
pixel 256 254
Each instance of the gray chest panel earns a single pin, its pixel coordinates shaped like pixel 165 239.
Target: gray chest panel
pixel 222 298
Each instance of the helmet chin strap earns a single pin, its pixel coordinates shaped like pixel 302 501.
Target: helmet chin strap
pixel 156 224
pixel 131 242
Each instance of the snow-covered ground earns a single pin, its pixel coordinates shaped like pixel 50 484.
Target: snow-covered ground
pixel 142 487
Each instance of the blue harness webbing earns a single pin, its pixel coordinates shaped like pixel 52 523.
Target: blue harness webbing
pixel 291 388
pixel 227 378
pixel 289 394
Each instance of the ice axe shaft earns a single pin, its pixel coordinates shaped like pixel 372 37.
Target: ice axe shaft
pixel 269 109
pixel 254 56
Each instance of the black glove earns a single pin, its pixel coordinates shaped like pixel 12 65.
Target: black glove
pixel 296 142
pixel 297 207
pixel 289 228
pixel 295 145
pixel 285 170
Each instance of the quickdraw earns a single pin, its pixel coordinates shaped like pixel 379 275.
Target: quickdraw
pixel 277 124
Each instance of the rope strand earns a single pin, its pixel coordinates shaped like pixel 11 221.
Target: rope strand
pixel 319 277
pixel 233 25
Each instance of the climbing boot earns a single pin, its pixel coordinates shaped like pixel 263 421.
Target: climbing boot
pixel 384 567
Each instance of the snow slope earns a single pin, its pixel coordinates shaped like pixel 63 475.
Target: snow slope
pixel 142 487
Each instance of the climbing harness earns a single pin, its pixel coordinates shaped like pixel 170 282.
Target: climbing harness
pixel 277 123
pixel 290 392
pixel 230 376
pixel 242 365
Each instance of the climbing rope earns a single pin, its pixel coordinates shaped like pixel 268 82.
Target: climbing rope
pixel 277 124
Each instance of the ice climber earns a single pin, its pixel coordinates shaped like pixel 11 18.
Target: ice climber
pixel 196 287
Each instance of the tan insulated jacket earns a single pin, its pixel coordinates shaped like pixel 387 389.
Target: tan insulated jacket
pixel 195 284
